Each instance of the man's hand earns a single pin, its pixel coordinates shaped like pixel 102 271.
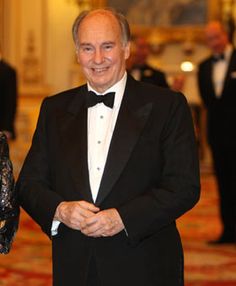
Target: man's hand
pixel 73 213
pixel 104 223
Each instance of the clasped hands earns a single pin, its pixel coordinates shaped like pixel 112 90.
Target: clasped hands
pixel 89 219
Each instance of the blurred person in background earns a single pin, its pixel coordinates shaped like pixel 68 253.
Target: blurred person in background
pixel 8 98
pixel 217 85
pixel 140 68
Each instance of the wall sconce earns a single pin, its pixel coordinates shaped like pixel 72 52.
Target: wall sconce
pixel 188 50
pixel 187 66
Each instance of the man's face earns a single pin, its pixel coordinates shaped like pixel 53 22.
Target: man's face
pixel 216 38
pixel 101 52
pixel 142 51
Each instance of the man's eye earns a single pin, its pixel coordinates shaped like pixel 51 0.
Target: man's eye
pixel 87 49
pixel 108 47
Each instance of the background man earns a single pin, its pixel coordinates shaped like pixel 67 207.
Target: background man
pixel 140 68
pixel 8 98
pixel 217 84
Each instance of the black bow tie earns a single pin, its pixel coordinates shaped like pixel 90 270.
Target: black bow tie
pixel 107 99
pixel 218 57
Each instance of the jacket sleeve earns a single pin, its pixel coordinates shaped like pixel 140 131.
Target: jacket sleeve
pixel 36 194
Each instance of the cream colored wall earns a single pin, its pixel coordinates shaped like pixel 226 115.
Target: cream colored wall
pixel 60 47
pixel 49 21
pixel 22 18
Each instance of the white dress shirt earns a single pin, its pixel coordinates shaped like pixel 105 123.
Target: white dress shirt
pixel 219 71
pixel 101 122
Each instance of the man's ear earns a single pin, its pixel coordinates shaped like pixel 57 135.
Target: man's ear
pixel 127 50
pixel 77 55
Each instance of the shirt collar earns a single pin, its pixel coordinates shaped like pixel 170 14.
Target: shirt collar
pixel 227 52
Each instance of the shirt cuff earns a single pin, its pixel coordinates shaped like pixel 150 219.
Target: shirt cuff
pixel 54 228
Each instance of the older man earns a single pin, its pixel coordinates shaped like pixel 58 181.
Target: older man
pixel 108 173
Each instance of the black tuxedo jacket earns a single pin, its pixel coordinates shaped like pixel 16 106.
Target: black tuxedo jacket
pixel 8 97
pixel 151 177
pixel 221 115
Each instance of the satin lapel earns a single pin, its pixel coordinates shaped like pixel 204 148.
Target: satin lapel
pixel 130 122
pixel 208 79
pixel 73 131
pixel 232 64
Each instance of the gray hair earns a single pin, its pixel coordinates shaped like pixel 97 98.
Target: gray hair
pixel 123 23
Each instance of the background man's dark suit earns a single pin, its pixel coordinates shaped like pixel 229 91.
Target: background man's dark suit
pixel 8 97
pixel 139 67
pixel 151 178
pixel 221 122
pixel 148 74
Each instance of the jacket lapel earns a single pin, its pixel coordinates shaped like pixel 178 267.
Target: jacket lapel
pixel 231 67
pixel 208 78
pixel 131 120
pixel 72 127
pixel 73 131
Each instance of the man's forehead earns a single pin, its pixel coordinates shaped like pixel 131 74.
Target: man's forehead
pixel 99 29
pixel 214 28
pixel 99 15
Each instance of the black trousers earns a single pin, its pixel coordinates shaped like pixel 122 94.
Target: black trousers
pixel 93 278
pixel 224 158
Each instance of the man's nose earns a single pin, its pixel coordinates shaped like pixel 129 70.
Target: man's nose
pixel 98 56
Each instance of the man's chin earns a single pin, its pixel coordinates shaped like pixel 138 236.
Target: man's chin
pixel 100 85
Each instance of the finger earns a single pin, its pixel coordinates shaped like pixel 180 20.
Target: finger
pixel 91 220
pixel 100 232
pixel 86 209
pixel 90 224
pixel 92 230
pixel 96 226
pixel 85 213
pixel 88 206
pixel 104 223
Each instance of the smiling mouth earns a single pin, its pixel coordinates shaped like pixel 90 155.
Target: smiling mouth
pixel 100 70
